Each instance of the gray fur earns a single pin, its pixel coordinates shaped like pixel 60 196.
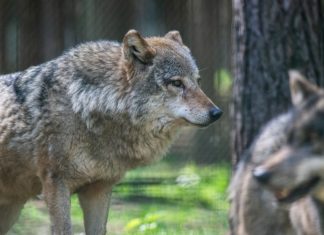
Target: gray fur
pixel 77 123
pixel 290 151
pixel 254 210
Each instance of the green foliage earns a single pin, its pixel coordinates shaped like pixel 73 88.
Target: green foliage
pixel 223 81
pixel 33 215
pixel 149 223
pixel 203 186
pixel 156 218
pixel 195 203
pixel 191 201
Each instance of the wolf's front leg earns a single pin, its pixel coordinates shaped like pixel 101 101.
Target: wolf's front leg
pixel 95 200
pixel 57 197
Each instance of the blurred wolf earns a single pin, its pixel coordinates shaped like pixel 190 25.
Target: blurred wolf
pixel 297 169
pixel 77 123
pixel 254 209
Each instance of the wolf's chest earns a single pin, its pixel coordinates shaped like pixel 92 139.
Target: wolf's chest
pixel 110 160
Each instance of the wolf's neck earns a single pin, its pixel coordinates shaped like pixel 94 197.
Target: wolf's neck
pixel 141 144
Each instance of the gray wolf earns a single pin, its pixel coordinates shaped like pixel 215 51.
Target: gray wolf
pixel 77 123
pixel 296 170
pixel 255 210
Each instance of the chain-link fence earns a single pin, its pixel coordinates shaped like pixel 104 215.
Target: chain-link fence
pixel 34 31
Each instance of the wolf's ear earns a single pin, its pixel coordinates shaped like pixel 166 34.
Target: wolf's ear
pixel 175 36
pixel 300 88
pixel 135 46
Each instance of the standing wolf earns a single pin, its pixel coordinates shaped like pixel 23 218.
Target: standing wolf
pixel 256 210
pixel 76 124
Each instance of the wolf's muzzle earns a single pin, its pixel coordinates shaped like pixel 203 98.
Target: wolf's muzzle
pixel 261 175
pixel 215 113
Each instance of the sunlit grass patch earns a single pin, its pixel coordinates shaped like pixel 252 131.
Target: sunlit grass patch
pixel 178 200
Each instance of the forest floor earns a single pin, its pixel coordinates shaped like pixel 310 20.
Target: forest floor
pixel 163 199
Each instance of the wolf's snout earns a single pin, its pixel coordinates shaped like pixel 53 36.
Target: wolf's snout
pixel 215 113
pixel 261 175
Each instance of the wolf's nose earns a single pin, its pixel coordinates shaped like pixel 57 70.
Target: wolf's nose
pixel 261 175
pixel 215 113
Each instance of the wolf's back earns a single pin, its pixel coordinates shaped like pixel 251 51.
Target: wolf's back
pixel 9 107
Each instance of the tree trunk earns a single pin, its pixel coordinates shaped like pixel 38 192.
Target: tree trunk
pixel 2 36
pixel 271 37
pixel 29 33
pixel 109 20
pixel 52 26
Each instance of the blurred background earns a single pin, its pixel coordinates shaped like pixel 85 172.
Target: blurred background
pixel 186 192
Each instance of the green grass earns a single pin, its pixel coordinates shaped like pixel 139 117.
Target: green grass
pixel 186 199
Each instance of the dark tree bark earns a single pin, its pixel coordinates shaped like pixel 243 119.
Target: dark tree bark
pixel 271 37
pixel 70 9
pixel 175 14
pixel 29 33
pixel 99 19
pixel 2 36
pixel 52 26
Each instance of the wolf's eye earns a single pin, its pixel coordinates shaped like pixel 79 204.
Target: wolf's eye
pixel 177 83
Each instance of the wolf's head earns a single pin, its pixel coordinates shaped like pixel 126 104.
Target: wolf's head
pixel 298 167
pixel 165 81
pixel 147 80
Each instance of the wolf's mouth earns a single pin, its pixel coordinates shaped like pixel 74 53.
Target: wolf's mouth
pixel 200 125
pixel 288 196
